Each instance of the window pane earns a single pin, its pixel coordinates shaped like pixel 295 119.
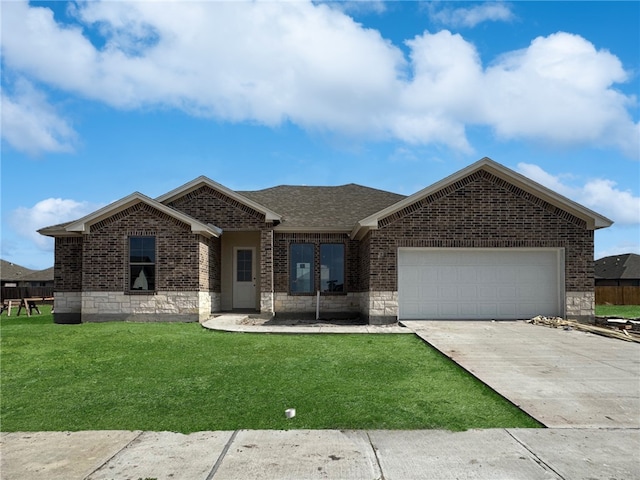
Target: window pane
pixel 143 277
pixel 301 268
pixel 142 249
pixel 244 268
pixel 332 267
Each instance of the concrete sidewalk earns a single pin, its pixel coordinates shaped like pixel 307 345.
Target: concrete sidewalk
pixel 512 454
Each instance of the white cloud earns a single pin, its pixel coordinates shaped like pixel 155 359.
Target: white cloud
pixel 560 90
pixel 311 64
pixel 51 211
pixel 31 124
pixel 471 16
pixel 600 195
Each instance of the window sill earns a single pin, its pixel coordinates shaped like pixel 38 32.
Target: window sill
pixel 140 292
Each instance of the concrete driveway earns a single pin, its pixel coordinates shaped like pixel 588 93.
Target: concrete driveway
pixel 564 379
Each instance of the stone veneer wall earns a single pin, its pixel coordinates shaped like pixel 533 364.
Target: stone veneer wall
pixel 67 307
pixel 379 308
pixel 266 302
pixel 336 304
pixel 176 306
pixel 580 306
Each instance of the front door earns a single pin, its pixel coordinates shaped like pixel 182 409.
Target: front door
pixel 244 277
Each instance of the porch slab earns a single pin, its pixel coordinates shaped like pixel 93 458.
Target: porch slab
pixel 239 323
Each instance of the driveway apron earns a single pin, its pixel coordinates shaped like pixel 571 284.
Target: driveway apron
pixel 563 378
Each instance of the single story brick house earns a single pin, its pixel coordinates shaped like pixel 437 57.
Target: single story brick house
pixel 483 243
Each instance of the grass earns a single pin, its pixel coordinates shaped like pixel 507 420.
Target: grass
pixel 622 311
pixel 181 377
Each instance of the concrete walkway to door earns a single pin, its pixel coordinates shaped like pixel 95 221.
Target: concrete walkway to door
pixel 563 378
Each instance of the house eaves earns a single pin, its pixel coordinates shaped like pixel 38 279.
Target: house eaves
pixel 593 220
pixel 83 225
pixel 269 215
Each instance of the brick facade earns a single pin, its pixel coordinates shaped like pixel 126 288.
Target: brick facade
pixel 67 267
pixel 105 254
pixel 212 207
pixel 481 211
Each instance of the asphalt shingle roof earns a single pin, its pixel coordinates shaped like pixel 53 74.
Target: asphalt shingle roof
pixel 626 266
pixel 11 271
pixel 330 207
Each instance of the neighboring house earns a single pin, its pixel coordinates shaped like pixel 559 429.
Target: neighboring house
pixel 17 276
pixel 12 274
pixel 618 270
pixel 39 278
pixel 483 243
pixel 20 282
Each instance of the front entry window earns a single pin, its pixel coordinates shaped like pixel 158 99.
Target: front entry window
pixel 301 268
pixel 244 267
pixel 142 263
pixel 332 267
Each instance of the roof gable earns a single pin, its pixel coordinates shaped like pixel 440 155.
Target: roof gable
pixel 83 225
pixel 196 183
pixel 592 219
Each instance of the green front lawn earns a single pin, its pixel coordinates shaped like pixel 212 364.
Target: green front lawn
pixel 621 311
pixel 181 377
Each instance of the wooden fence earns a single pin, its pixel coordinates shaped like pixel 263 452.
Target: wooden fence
pixel 617 295
pixel 14 293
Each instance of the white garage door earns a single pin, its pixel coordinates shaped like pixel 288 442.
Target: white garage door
pixel 475 283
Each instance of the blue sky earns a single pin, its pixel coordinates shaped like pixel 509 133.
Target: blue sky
pixel 102 99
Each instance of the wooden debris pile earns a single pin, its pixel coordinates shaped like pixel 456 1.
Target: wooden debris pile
pixel 613 331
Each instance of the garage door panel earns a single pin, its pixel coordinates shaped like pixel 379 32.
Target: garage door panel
pixel 506 293
pixel 447 293
pixel 468 310
pixel 487 292
pixel 488 310
pixel 447 275
pixel 478 283
pixel 468 293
